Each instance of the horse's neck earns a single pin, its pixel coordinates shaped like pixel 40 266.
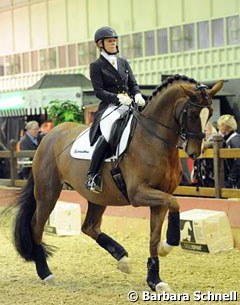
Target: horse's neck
pixel 161 112
pixel 162 106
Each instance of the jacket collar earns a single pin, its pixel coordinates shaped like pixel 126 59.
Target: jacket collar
pixel 229 136
pixel 106 64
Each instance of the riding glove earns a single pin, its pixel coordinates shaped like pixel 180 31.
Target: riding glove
pixel 139 100
pixel 124 99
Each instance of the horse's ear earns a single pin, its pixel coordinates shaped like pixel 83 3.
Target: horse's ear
pixel 217 87
pixel 188 90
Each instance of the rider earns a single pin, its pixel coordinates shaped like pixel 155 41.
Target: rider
pixel 114 84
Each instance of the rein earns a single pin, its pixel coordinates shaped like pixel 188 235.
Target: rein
pixel 144 122
pixel 148 124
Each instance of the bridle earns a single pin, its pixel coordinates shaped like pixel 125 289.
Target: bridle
pixel 182 118
pixel 185 132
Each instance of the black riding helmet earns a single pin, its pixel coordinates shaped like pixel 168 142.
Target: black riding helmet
pixel 105 32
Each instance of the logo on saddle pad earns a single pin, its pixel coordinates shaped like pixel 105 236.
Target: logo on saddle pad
pixel 81 148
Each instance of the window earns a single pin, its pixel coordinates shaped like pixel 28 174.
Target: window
pixel 72 55
pixel 8 64
pixel 162 41
pixel 233 30
pixel 137 45
pixel 203 35
pixel 16 64
pixel 52 58
pixel 92 51
pixel 1 66
pixel 82 54
pixel 126 46
pixel 62 57
pixel 43 60
pixel 34 60
pixel 189 37
pixel 176 39
pixel 149 43
pixel 26 66
pixel 12 65
pixel 217 33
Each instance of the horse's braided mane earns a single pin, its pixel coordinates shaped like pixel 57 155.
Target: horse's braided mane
pixel 168 81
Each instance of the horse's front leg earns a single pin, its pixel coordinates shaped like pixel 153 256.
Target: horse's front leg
pixel 159 203
pixel 153 268
pixel 91 227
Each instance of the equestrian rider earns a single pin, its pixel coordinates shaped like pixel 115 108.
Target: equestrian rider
pixel 114 84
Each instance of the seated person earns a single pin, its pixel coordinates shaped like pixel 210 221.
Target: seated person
pixel 4 164
pixel 29 141
pixel 203 171
pixel 227 128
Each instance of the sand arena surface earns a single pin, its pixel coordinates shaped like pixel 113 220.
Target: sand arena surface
pixel 86 274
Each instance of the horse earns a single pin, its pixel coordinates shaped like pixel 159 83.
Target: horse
pixel 150 169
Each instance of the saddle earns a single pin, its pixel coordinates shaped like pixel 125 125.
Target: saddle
pixel 114 141
pixel 117 131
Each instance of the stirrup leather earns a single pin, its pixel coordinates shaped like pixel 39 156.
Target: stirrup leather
pixel 94 183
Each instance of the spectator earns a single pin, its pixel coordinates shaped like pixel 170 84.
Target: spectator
pixel 29 141
pixel 44 129
pixel 209 131
pixel 4 164
pixel 203 171
pixel 227 126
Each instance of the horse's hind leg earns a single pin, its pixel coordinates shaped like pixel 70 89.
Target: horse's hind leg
pixel 91 227
pixel 46 196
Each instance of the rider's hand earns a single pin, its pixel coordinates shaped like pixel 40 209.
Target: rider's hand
pixel 139 100
pixel 124 99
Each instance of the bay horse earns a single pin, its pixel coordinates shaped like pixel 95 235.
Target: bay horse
pixel 150 168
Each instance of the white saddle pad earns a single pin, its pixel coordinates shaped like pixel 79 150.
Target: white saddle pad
pixel 81 148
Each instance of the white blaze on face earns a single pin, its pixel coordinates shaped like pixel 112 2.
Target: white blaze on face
pixel 204 114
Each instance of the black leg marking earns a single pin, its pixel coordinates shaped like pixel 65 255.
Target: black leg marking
pixel 153 277
pixel 173 230
pixel 113 247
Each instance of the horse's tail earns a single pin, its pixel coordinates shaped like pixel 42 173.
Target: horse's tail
pixel 26 205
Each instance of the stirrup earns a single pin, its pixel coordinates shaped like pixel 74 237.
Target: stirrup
pixel 94 183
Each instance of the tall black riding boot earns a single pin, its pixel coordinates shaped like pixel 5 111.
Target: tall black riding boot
pixel 94 180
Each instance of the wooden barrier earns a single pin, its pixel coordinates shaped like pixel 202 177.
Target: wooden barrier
pixel 217 153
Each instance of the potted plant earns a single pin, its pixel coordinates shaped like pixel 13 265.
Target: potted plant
pixel 60 111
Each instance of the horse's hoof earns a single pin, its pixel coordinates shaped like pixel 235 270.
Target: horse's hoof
pixel 49 280
pixel 124 264
pixel 164 249
pixel 162 287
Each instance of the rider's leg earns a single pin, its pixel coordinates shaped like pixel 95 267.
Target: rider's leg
pixel 94 181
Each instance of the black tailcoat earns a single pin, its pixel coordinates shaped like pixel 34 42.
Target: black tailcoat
pixel 107 83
